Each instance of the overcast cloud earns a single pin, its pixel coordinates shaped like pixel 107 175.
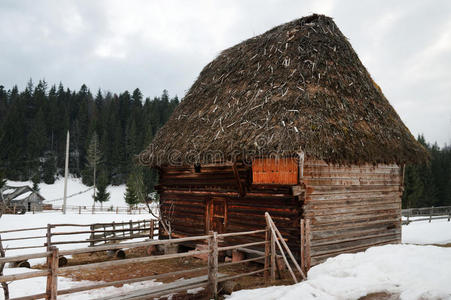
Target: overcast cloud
pixel 156 45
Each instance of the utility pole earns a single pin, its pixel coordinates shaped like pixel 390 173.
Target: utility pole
pixel 66 173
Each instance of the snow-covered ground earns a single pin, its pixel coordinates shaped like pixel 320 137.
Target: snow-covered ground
pixel 29 220
pixel 414 272
pixel 423 232
pixel 37 285
pixel 74 185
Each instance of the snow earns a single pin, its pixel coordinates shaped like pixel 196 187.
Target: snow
pixel 74 185
pixel 423 232
pixel 415 272
pixel 29 220
pixel 37 285
pixel 418 271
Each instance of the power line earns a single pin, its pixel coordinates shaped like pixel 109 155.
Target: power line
pixel 71 195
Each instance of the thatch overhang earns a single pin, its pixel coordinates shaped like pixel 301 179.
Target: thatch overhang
pixel 298 87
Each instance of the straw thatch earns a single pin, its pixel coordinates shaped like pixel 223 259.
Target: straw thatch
pixel 298 87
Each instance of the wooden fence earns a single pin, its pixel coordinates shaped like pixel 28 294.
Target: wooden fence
pixel 99 233
pixel 87 209
pixel 210 281
pixel 426 214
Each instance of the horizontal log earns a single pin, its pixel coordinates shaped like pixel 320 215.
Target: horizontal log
pixel 128 281
pixel 20 276
pixel 242 246
pixel 321 258
pixel 343 247
pixel 355 237
pixel 129 261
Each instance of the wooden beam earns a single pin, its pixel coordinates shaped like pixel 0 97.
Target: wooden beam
pixel 241 189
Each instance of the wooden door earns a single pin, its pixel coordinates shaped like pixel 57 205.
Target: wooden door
pixel 217 215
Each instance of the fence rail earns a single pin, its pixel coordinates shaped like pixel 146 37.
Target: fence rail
pixel 99 233
pixel 87 209
pixel 210 281
pixel 426 214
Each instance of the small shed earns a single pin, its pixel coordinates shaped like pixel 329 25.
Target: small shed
pixel 291 123
pixel 23 198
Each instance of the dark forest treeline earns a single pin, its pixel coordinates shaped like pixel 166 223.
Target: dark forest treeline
pixel 34 122
pixel 429 184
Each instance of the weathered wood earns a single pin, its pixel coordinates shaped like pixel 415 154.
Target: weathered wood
pixel 128 281
pixel 52 277
pixel 267 253
pixel 274 228
pixel 302 247
pixel 239 184
pixel 213 265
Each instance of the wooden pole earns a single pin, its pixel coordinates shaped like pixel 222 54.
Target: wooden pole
pixel 213 265
pixel 303 245
pixel 274 228
pixel 152 224
pixel 66 173
pixel 273 258
pixel 49 237
pixel 267 253
pixel 430 214
pixel 307 245
pixel 52 277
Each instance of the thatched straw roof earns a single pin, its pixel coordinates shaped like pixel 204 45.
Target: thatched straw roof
pixel 299 86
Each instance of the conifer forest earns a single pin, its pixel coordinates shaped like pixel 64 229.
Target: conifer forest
pixel 107 130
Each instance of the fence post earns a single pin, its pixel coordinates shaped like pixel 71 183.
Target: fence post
pixel 213 265
pixel 430 214
pixel 151 229
pixel 49 237
pixel 52 277
pixel 117 210
pixel 91 237
pixel 131 227
pixel 79 210
pixel 267 252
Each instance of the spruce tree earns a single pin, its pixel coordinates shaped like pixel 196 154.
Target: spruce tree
pixel 36 179
pixel 130 194
pixel 49 168
pixel 102 195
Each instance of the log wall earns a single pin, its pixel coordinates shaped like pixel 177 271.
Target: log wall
pixel 189 194
pixel 350 208
pixel 344 208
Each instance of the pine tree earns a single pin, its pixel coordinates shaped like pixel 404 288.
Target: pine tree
pixel 49 169
pixel 93 157
pixel 130 194
pixel 102 195
pixel 36 179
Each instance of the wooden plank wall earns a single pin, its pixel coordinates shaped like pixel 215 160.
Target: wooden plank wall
pixel 190 192
pixel 351 208
pixel 275 171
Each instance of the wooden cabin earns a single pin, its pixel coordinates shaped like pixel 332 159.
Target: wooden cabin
pixel 291 123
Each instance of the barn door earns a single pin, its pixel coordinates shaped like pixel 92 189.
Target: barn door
pixel 217 215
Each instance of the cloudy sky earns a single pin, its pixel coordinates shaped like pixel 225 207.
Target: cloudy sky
pixel 156 45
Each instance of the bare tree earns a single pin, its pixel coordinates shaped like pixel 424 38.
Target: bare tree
pixel 165 218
